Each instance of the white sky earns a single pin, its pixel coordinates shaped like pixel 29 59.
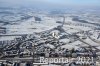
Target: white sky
pixel 51 3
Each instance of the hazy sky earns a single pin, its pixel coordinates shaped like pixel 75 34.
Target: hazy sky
pixel 50 3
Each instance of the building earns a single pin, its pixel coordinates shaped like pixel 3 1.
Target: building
pixel 2 30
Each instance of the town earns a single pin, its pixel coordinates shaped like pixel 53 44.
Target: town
pixel 49 36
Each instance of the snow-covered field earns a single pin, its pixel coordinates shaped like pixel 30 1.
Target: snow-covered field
pixel 18 22
pixel 83 32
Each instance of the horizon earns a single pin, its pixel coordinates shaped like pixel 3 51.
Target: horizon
pixel 51 4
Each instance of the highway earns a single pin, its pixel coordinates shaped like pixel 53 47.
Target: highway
pixel 12 35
